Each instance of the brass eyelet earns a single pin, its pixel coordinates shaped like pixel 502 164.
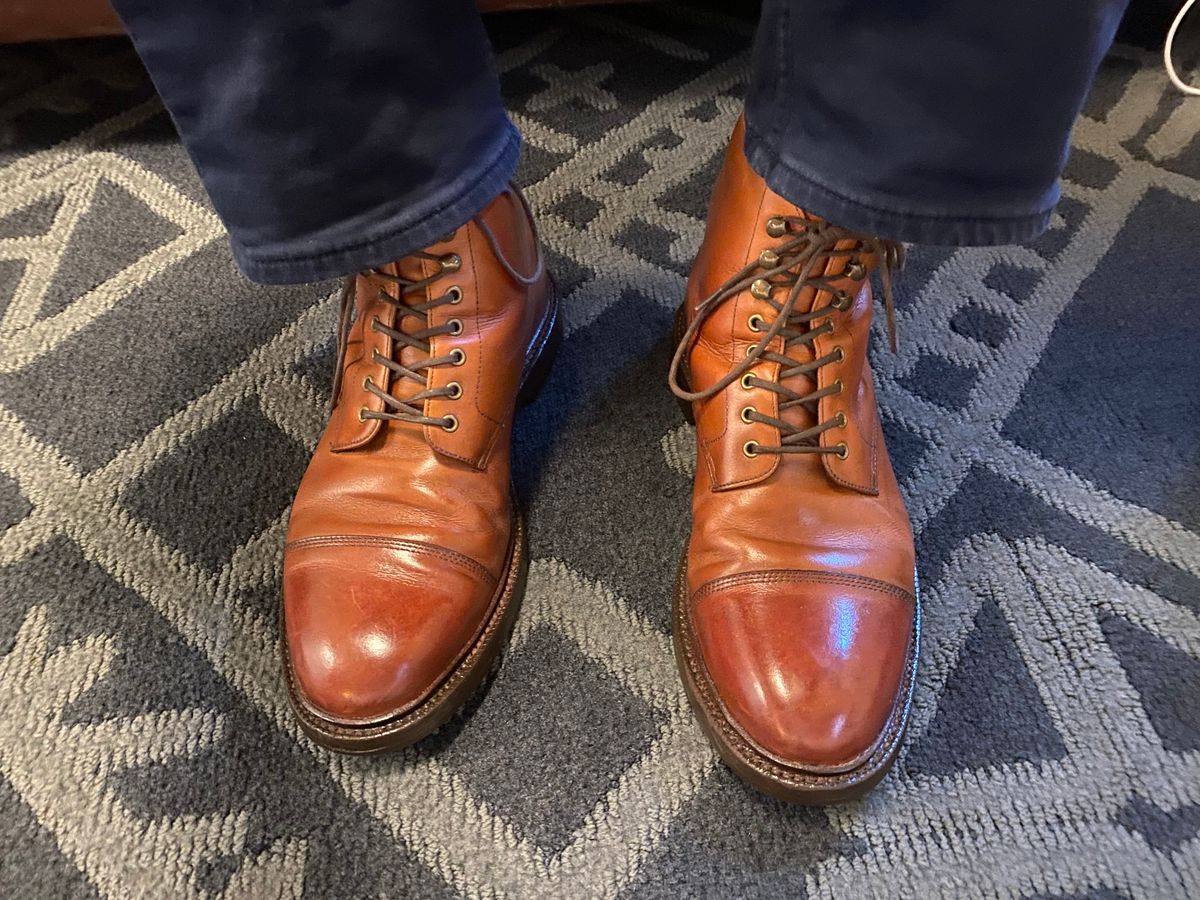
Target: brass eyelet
pixel 750 349
pixel 842 300
pixel 843 449
pixel 855 270
pixel 768 259
pixel 375 323
pixel 455 294
pixel 750 449
pixel 760 289
pixel 362 414
pixel 839 354
pixel 746 412
pixel 776 226
pixel 451 262
pixel 458 356
pixel 841 419
pixel 838 386
pixel 456 326
pixel 746 379
pixel 455 389
pixel 368 383
pixel 754 322
pixel 450 423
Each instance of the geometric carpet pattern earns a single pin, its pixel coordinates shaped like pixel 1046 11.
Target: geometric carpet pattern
pixel 157 411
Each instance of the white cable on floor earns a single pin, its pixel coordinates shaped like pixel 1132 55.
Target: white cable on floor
pixel 1170 63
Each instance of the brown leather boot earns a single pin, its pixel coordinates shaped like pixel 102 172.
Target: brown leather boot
pixel 405 553
pixel 796 616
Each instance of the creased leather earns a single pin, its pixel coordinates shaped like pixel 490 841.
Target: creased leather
pixel 400 533
pixel 808 658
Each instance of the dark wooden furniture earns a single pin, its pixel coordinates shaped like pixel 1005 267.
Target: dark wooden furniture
pixel 40 20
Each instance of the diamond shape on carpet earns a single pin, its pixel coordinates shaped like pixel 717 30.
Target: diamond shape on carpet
pixel 33 219
pixel 941 380
pixel 109 236
pixel 1142 428
pixel 184 495
pixel 991 712
pixel 590 730
pixel 1164 676
pixel 706 853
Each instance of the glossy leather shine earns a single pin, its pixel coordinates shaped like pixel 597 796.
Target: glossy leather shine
pixel 800 567
pixel 400 533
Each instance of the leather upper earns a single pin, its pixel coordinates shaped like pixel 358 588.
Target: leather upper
pixel 400 532
pixel 800 565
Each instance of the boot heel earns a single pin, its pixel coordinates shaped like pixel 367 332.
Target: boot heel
pixel 677 332
pixel 539 368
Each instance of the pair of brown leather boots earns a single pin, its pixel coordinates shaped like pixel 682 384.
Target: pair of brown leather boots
pixel 796 617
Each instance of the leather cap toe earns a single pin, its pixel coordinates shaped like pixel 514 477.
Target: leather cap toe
pixel 374 627
pixel 808 666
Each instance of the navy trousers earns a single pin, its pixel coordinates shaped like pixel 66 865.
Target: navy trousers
pixel 333 135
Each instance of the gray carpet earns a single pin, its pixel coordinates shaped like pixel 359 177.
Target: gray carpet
pixel 156 412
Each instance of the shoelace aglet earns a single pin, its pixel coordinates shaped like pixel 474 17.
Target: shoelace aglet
pixel 892 262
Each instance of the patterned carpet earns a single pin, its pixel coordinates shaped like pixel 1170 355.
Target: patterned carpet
pixel 156 412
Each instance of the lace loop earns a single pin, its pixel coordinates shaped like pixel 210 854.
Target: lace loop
pixel 807 247
pixel 411 409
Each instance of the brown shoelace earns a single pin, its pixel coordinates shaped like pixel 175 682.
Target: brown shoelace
pixel 411 409
pixel 807 248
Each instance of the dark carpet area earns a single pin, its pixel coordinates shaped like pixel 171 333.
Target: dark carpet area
pixel 156 412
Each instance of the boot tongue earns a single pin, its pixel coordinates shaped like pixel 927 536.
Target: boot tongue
pixel 799 414
pixel 802 353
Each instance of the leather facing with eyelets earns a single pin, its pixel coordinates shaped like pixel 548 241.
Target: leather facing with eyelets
pixel 493 341
pixel 799 577
pixel 346 430
pixel 744 204
pixel 400 531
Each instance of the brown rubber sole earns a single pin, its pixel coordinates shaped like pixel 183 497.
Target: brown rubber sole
pixel 472 669
pixel 751 764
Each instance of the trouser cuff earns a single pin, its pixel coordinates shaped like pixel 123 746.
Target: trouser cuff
pixel 862 215
pixel 387 235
